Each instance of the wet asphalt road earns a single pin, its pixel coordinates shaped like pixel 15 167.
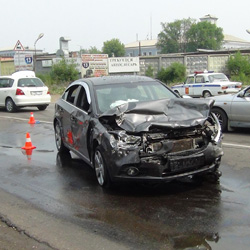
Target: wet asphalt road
pixel 180 215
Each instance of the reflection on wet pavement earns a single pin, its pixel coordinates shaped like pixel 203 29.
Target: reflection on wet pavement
pixel 179 214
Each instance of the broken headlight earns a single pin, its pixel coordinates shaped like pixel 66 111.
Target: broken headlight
pixel 121 138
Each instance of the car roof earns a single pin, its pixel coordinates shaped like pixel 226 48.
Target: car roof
pixel 21 74
pixel 116 79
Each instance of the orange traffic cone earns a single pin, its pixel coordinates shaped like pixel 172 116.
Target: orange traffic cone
pixel 32 119
pixel 28 143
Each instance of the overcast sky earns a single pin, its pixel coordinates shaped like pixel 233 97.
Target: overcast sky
pixel 90 23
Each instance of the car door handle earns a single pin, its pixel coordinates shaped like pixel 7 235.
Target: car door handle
pixel 72 118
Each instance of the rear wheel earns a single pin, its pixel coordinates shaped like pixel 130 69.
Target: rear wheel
pixel 42 107
pixel 206 94
pixel 101 171
pixel 10 105
pixel 222 117
pixel 58 138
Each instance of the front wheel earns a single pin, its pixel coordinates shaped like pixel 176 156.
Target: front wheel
pixel 10 105
pixel 222 117
pixel 101 171
pixel 58 138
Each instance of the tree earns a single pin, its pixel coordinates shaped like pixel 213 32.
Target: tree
pixel 113 48
pixel 239 68
pixel 204 35
pixel 91 50
pixel 172 39
pixel 94 50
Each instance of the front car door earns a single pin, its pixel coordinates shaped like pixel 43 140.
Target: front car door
pixel 198 86
pixel 240 109
pixel 188 86
pixel 80 122
pixel 5 87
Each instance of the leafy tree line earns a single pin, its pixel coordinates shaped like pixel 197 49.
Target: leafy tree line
pixel 187 35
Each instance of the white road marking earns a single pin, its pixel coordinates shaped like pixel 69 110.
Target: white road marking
pixel 235 145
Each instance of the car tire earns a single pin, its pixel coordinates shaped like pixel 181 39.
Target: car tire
pixel 222 117
pixel 206 94
pixel 10 106
pixel 42 107
pixel 58 139
pixel 101 170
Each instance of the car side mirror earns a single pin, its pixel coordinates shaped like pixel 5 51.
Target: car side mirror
pixel 241 94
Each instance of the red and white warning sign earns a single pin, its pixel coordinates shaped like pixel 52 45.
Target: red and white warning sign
pixel 19 46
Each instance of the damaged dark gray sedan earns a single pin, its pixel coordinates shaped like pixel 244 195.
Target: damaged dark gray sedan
pixel 136 128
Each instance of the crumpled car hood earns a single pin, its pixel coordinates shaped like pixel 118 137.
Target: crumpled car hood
pixel 167 113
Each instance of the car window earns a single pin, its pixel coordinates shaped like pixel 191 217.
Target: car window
pixel 82 101
pixel 110 96
pixel 217 77
pixel 6 83
pixel 199 79
pixel 71 93
pixel 247 93
pixel 30 82
pixel 190 80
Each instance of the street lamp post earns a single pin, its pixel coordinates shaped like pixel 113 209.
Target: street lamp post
pixel 34 61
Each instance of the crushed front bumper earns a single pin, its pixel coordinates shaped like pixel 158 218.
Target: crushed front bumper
pixel 130 166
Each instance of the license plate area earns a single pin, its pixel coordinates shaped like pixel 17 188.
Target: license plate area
pixel 36 92
pixel 182 163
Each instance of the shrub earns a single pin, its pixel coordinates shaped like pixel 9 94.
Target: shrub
pixel 176 72
pixel 238 67
pixel 149 71
pixel 64 72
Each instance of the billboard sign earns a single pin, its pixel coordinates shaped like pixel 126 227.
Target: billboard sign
pixel 94 65
pixel 124 64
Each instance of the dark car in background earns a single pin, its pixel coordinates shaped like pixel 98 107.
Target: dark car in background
pixel 135 128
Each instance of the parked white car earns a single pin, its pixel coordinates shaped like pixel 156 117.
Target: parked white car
pixel 233 110
pixel 207 84
pixel 23 89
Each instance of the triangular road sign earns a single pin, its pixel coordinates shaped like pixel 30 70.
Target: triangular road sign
pixel 18 46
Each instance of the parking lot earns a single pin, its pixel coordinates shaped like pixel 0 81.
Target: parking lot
pixel 56 199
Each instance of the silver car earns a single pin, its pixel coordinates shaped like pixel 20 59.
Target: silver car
pixel 233 110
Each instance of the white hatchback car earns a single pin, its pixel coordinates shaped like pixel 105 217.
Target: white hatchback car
pixel 23 89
